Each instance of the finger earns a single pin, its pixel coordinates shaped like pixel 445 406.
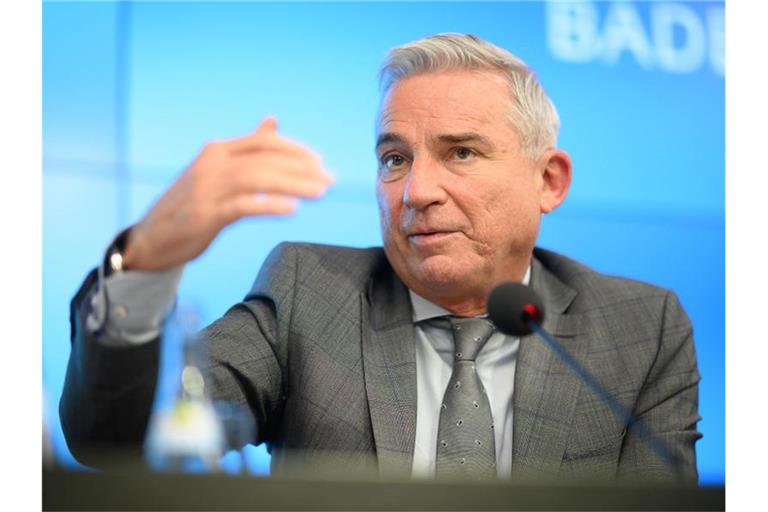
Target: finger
pixel 266 131
pixel 250 205
pixel 265 138
pixel 273 174
pixel 274 181
pixel 266 142
pixel 268 125
pixel 246 168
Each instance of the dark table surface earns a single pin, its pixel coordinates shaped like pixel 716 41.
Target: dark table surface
pixel 144 490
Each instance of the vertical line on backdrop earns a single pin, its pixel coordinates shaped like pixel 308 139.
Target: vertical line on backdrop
pixel 122 99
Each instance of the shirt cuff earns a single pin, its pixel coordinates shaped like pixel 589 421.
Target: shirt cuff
pixel 129 307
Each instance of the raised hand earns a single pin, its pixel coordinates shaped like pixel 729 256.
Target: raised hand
pixel 262 173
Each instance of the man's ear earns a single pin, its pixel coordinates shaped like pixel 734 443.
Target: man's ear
pixel 556 178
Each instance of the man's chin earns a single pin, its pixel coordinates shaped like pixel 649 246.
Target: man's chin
pixel 442 273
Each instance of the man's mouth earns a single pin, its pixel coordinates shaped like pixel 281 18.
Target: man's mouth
pixel 424 238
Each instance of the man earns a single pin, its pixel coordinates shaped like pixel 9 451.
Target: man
pixel 385 353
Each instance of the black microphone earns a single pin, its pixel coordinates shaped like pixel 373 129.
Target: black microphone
pixel 518 310
pixel 511 304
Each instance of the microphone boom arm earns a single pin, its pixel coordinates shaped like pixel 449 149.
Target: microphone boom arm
pixel 659 446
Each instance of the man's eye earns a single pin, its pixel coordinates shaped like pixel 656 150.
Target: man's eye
pixel 463 153
pixel 392 161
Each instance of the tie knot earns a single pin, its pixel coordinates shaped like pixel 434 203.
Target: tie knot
pixel 469 336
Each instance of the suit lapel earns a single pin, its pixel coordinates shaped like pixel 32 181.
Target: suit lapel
pixel 389 361
pixel 546 390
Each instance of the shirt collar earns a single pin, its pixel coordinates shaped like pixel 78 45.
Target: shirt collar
pixel 422 309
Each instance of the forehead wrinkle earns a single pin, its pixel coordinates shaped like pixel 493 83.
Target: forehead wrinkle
pixel 455 112
pixel 387 116
pixel 460 124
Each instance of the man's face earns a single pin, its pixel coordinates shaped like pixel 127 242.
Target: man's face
pixel 459 202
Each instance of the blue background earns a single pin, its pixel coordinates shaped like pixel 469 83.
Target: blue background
pixel 131 92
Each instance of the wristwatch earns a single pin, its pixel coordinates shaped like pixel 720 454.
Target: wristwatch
pixel 113 259
pixel 112 264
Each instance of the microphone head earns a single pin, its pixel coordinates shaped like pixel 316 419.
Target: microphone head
pixel 509 305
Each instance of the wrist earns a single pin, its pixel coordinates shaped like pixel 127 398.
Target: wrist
pixel 137 254
pixel 130 255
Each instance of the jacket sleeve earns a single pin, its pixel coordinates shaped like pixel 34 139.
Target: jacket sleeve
pixel 108 391
pixel 667 405
pixel 110 387
pixel 247 349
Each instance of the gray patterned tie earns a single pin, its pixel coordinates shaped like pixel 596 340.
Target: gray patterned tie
pixel 465 438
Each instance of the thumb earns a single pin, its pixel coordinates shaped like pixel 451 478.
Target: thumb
pixel 268 125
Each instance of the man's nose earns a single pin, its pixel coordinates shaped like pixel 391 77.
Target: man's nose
pixel 423 185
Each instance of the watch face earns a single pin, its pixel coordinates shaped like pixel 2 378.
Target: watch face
pixel 113 262
pixel 116 261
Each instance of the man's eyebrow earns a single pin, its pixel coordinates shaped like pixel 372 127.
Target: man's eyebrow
pixel 388 138
pixel 450 138
pixel 459 138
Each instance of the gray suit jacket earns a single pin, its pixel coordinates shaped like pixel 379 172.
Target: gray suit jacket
pixel 322 352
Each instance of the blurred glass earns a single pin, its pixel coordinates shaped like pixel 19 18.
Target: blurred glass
pixel 188 431
pixel 184 432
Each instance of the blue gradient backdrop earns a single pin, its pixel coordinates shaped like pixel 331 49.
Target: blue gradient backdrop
pixel 131 92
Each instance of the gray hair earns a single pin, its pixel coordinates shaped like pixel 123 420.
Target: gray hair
pixel 533 113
